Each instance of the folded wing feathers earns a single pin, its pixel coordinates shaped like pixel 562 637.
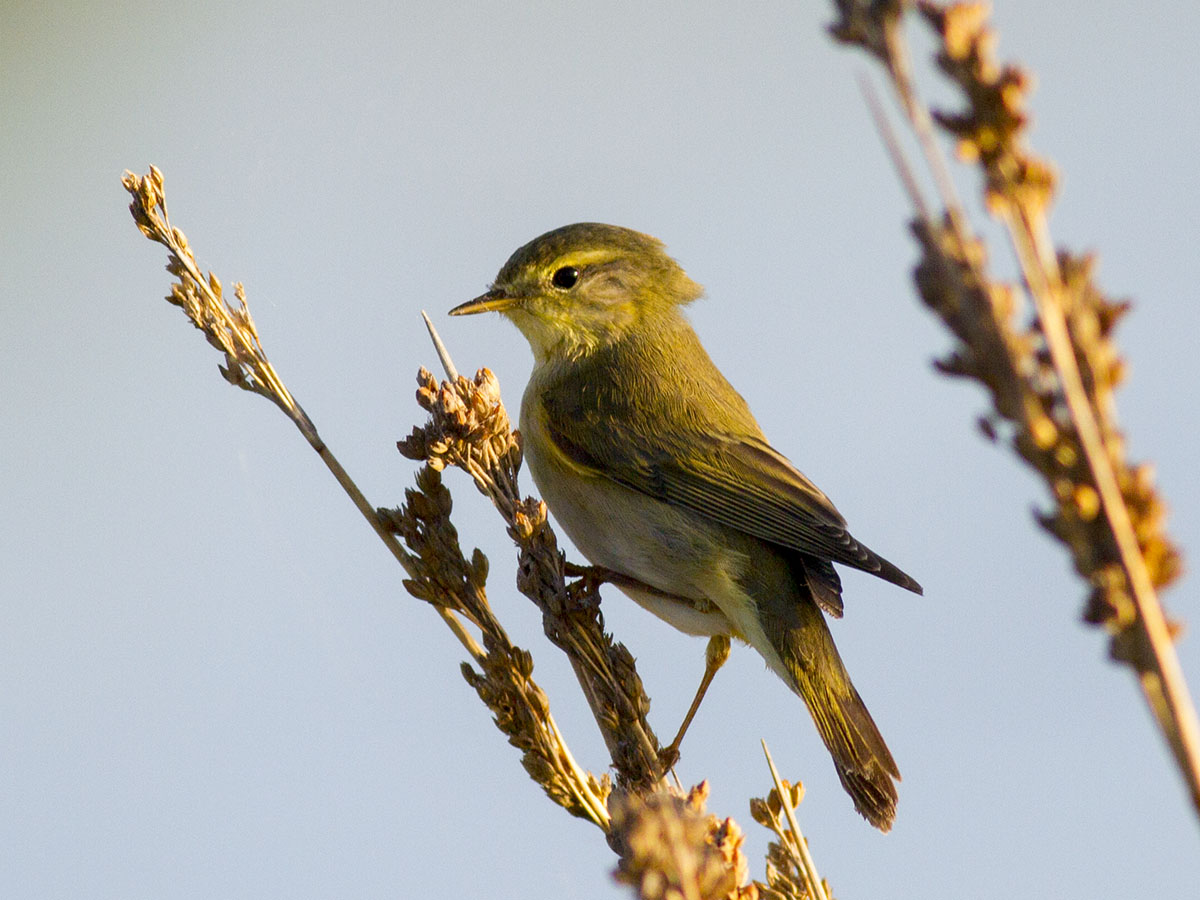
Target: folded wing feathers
pixel 754 489
pixel 743 483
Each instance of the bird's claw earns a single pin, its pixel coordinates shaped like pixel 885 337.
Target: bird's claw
pixel 668 757
pixel 590 576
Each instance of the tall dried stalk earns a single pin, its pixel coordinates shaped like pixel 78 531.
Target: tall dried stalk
pixel 436 568
pixel 1052 378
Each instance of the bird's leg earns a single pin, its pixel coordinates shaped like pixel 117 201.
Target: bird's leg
pixel 714 657
pixel 594 576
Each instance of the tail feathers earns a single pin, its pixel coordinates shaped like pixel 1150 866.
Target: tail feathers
pixel 823 582
pixel 790 630
pixel 863 762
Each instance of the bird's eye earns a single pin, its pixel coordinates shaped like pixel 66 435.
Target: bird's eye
pixel 565 278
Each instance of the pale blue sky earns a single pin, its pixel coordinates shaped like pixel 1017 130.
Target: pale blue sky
pixel 212 684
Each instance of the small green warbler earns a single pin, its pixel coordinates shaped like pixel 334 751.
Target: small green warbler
pixel 654 466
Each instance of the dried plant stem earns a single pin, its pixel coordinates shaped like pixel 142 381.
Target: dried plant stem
pixel 452 621
pixel 442 352
pixel 233 331
pixel 588 665
pixel 892 144
pixel 799 846
pixel 589 799
pixel 1054 379
pixel 899 65
pixel 1162 681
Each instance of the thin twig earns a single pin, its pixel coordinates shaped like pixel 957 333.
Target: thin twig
pixel 586 798
pixel 892 144
pixel 442 352
pixel 232 330
pixel 898 63
pixel 807 865
pixel 1165 682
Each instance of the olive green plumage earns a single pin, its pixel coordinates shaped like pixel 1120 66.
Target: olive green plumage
pixel 655 467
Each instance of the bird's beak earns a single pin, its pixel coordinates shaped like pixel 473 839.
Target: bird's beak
pixel 494 300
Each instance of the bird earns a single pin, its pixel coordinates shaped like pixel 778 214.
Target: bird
pixel 654 466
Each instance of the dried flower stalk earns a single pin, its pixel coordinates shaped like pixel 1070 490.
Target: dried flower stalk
pixel 438 572
pixel 232 331
pixel 445 579
pixel 1052 379
pixel 469 429
pixel 791 872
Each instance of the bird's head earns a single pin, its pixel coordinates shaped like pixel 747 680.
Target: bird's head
pixel 581 287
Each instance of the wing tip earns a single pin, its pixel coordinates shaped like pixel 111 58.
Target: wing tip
pixel 889 572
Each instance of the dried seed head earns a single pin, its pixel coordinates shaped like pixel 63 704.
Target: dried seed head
pixel 760 811
pixel 667 849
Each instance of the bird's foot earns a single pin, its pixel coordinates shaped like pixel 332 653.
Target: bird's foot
pixel 590 577
pixel 668 757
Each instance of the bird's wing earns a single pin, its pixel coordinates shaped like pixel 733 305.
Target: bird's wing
pixel 741 482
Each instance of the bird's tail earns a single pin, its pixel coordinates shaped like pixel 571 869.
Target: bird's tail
pixel 815 671
pixel 864 763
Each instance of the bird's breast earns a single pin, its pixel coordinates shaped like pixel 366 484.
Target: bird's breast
pixel 614 526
